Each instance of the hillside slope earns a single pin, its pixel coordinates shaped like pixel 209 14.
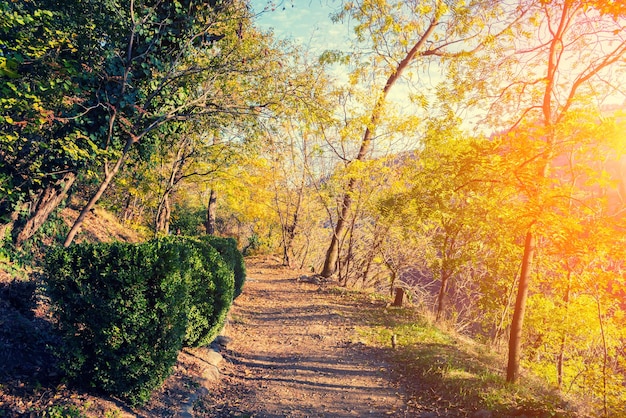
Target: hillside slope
pixel 298 349
pixel 301 349
pixel 101 226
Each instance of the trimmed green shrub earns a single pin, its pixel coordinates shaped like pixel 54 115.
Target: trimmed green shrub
pixel 126 310
pixel 123 312
pixel 227 247
pixel 211 292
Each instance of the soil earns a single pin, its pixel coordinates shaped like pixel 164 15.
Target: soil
pixel 292 352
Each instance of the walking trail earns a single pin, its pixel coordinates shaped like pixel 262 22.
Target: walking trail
pixel 294 352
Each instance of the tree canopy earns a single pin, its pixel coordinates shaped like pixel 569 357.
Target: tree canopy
pixel 470 155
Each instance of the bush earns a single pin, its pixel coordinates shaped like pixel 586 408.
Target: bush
pixel 123 312
pixel 126 310
pixel 227 247
pixel 211 292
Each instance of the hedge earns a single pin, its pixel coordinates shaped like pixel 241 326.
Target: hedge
pixel 227 247
pixel 211 292
pixel 126 310
pixel 122 310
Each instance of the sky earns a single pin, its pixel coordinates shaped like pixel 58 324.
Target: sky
pixel 307 22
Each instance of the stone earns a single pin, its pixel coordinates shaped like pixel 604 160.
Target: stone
pixel 222 340
pixel 212 357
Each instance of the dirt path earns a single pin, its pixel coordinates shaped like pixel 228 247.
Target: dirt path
pixel 294 353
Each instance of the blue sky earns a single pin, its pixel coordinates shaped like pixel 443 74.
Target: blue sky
pixel 306 22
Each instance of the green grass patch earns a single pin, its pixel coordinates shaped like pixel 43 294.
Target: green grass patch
pixel 62 411
pixel 440 368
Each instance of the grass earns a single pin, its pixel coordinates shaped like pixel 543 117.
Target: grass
pixel 448 370
pixel 237 319
pixel 62 411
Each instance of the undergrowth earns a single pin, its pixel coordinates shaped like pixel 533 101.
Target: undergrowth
pixel 454 372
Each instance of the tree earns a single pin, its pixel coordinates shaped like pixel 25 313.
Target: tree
pixel 293 141
pixel 193 155
pixel 573 311
pixel 400 38
pixel 563 54
pixel 171 65
pixel 289 197
pixel 218 67
pixel 48 53
pixel 448 197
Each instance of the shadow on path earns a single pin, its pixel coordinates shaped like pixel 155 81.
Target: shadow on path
pixel 293 355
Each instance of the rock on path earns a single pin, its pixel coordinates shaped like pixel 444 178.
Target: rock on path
pixel 292 353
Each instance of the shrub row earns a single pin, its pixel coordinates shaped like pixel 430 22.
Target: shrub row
pixel 227 247
pixel 126 310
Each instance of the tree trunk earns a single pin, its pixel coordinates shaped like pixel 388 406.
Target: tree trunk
pixel 47 201
pixel 515 339
pixel 345 264
pixel 399 298
pixel 163 215
pixel 499 328
pixel 130 211
pixel 605 358
pixel 286 257
pixel 394 274
pixel 378 240
pixel 164 212
pixel 126 212
pixel 561 356
pixel 289 234
pixel 332 254
pixel 210 213
pixel 289 231
pixel 443 289
pixel 305 253
pixel 168 217
pixel 108 177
